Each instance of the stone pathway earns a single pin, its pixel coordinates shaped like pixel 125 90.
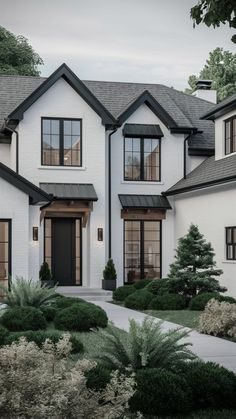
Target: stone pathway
pixel 209 348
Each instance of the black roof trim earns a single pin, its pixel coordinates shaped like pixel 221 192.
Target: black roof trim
pixel 155 107
pixel 197 151
pixel 142 130
pixel 200 186
pixel 36 195
pixel 70 191
pixel 67 74
pixel 184 130
pixel 129 201
pixel 221 109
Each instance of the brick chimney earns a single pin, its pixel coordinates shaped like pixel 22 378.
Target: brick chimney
pixel 204 91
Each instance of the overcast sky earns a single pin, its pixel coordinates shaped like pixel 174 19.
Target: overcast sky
pixel 122 40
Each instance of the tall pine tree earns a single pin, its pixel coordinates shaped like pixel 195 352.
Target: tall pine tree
pixel 194 270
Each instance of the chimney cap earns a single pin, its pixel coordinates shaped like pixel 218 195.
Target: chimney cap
pixel 204 84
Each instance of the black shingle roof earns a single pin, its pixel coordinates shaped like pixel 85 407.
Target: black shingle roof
pixel 144 201
pixel 210 172
pixel 79 191
pixel 222 108
pixel 116 97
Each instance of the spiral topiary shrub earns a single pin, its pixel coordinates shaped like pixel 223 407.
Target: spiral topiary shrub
pixel 121 293
pixel 23 318
pixel 139 300
pixel 168 302
pixel 81 317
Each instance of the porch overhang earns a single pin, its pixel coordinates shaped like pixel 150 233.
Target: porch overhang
pixel 70 191
pixel 144 207
pixel 67 209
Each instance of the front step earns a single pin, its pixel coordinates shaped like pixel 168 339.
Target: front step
pixel 88 294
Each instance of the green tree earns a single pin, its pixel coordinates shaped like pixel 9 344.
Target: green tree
pixel 194 270
pixel 220 67
pixel 17 55
pixel 215 12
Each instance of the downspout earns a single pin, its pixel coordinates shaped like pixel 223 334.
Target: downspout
pixel 185 154
pixel 17 145
pixel 109 191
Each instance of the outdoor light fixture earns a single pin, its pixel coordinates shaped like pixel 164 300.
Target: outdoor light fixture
pixel 35 234
pixel 100 234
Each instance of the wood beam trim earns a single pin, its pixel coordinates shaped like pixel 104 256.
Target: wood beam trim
pixel 154 215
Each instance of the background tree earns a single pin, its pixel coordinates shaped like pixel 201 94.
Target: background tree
pixel 220 67
pixel 17 55
pixel 194 270
pixel 215 12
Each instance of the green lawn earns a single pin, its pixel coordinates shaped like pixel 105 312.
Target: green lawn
pixel 186 318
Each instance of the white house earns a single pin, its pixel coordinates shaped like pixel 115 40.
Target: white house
pixel 87 172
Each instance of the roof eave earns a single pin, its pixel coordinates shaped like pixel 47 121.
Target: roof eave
pixel 200 186
pixel 221 111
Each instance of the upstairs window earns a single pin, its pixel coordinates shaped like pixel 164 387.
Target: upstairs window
pixel 230 135
pixel 61 142
pixel 142 159
pixel 230 243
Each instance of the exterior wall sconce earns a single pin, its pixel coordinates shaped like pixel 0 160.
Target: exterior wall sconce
pixel 35 234
pixel 100 234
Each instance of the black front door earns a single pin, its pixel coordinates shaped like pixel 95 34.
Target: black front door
pixel 63 251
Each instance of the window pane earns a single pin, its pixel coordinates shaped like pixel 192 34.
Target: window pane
pixel 230 252
pixel 4 231
pixel 229 235
pixel 75 127
pixel 4 251
pixel 55 126
pixel 75 142
pixel 46 126
pixel 67 142
pixel 128 144
pixel 48 227
pixel 136 144
pixel 227 129
pixel 75 158
pixel 67 127
pixel 67 157
pixel 46 141
pixel 55 158
pixel 147 145
pixel 234 235
pixel 48 245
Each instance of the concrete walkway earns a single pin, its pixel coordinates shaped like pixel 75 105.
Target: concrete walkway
pixel 208 348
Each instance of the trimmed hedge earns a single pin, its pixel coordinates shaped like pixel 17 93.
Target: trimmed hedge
pixel 64 302
pixel 168 302
pixel 39 338
pixel 212 386
pixel 4 333
pixel 98 377
pixel 49 313
pixel 23 318
pixel 81 317
pixel 121 293
pixel 200 301
pixel 139 300
pixel 142 283
pixel 158 286
pixel 160 392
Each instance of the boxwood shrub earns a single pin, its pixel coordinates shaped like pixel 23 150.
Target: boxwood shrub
pixel 40 336
pixel 158 286
pixel 49 312
pixel 168 302
pixel 139 300
pixel 212 386
pixel 4 333
pixel 121 293
pixel 160 392
pixel 80 317
pixel 142 283
pixel 64 302
pixel 23 318
pixel 200 301
pixel 98 377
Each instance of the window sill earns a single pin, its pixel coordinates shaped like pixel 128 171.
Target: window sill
pixel 61 168
pixel 233 262
pixel 141 182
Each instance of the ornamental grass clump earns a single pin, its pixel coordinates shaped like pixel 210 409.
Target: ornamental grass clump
pixel 218 319
pixel 42 383
pixel 144 346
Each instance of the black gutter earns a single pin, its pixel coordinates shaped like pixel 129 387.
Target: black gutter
pixel 185 153
pixel 17 145
pixel 200 186
pixel 109 191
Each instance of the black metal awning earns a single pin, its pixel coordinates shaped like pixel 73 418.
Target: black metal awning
pixel 73 191
pixel 142 130
pixel 144 202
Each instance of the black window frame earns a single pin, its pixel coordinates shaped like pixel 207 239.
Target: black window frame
pixel 9 221
pixel 230 120
pixel 230 243
pixel 142 253
pixel 142 138
pixel 61 141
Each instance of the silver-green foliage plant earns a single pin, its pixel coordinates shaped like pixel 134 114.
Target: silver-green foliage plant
pixel 144 346
pixel 218 319
pixel 27 292
pixel 42 383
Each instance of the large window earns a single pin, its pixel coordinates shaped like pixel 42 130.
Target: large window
pixel 230 135
pixel 61 142
pixel 142 250
pixel 230 243
pixel 5 251
pixel 142 159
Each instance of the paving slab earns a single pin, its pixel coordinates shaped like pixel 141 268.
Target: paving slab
pixel 208 348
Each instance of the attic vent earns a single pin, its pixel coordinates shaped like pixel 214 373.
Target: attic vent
pixel 204 84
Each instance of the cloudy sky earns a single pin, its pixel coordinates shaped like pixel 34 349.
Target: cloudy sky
pixel 124 40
